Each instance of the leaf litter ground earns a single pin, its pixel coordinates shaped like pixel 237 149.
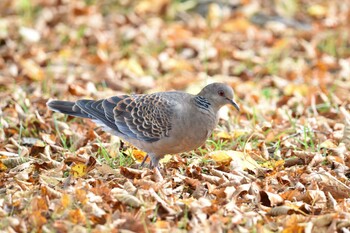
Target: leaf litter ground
pixel 281 165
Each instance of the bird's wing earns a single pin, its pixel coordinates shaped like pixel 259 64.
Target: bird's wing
pixel 142 117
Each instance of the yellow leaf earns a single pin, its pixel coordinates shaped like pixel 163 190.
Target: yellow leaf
pixel 77 216
pixel 78 170
pixel 150 6
pixel 281 43
pixel 176 33
pixel 240 159
pixel 316 10
pixel 160 224
pixel 132 66
pixel 220 157
pixel 293 89
pixel 328 144
pixel 38 218
pixel 32 70
pixel 292 225
pixel 65 53
pixel 240 24
pixel 166 159
pixel 139 155
pixel 223 135
pixel 178 64
pixel 272 164
pixel 238 133
pixel 65 200
pixel 187 201
pixel 2 167
pixel 39 203
pixel 81 195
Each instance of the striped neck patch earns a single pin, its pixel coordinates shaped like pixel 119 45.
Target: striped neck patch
pixel 202 102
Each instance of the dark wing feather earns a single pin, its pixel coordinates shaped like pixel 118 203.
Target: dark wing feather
pixel 145 117
pixel 96 111
pixel 109 104
pixel 67 107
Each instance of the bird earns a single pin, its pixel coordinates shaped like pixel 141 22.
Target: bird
pixel 160 123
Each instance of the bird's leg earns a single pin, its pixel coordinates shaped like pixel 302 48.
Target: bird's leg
pixel 154 161
pixel 144 160
pixel 154 164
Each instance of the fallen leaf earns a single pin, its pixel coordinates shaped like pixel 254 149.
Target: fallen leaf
pixel 77 216
pixel 220 157
pixel 32 70
pixel 78 170
pixel 317 10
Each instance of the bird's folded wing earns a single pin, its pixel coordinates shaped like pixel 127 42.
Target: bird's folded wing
pixel 142 117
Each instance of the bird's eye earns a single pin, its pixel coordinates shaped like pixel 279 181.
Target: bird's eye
pixel 221 93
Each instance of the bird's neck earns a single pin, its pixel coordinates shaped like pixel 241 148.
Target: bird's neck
pixel 202 102
pixel 204 105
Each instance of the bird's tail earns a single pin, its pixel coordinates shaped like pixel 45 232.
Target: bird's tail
pixel 67 107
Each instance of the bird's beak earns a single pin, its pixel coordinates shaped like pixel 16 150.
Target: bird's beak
pixel 234 104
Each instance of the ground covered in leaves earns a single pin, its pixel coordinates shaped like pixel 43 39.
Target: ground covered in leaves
pixel 280 165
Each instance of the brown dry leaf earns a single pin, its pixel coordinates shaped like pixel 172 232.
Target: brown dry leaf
pixel 270 199
pixel 339 192
pixel 290 194
pixel 172 210
pixel 292 225
pixel 40 204
pixel 50 192
pixel 32 70
pixel 346 132
pixel 324 220
pixel 74 159
pixel 151 6
pixel 49 138
pixel 81 196
pixel 312 197
pixel 124 197
pixel 191 182
pixel 237 24
pixel 290 72
pixel 282 210
pixel 130 188
pixel 211 179
pixel 76 90
pixel 90 164
pixel 146 184
pixel 97 212
pixel 177 33
pixel 105 169
pixel 132 173
pixel 162 225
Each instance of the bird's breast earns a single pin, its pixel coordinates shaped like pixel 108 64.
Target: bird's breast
pixel 187 133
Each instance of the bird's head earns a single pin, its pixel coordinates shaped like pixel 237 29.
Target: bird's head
pixel 218 94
